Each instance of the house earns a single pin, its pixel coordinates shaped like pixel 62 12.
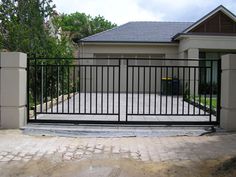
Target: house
pixel 208 38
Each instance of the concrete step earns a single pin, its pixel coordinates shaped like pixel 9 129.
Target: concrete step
pixel 112 130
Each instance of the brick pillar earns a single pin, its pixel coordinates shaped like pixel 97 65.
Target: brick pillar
pixel 228 92
pixel 13 89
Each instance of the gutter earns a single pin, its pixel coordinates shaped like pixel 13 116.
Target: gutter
pixel 127 42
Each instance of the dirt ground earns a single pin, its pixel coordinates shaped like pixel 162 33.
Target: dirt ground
pixel 118 167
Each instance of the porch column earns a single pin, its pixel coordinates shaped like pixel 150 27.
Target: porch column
pixel 228 92
pixel 13 89
pixel 193 54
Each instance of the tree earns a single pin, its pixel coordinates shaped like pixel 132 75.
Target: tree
pixel 23 28
pixel 79 25
pixel 99 24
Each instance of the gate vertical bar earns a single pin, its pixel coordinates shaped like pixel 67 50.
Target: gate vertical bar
pixel 183 91
pixel 85 89
pixel 149 93
pixel 167 87
pixel 127 87
pixel 138 91
pixel 144 90
pixel 102 91
pixel 46 90
pixel 28 104
pixel 52 83
pixel 119 93
pixel 79 86
pixel 96 90
pixel 68 85
pixel 205 90
pixel 155 91
pixel 74 89
pixel 35 87
pixel 41 91
pixel 113 91
pixel 108 89
pixel 218 91
pixel 91 73
pixel 189 85
pixel 194 90
pixel 132 90
pixel 172 88
pixel 62 88
pixel 178 91
pixel 199 87
pixel 211 78
pixel 161 92
pixel 57 87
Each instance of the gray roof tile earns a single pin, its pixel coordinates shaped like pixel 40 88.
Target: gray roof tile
pixel 140 32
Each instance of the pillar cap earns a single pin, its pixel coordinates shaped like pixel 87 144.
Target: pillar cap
pixel 13 60
pixel 229 62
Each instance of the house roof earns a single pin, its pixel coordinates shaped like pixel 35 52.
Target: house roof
pixel 152 32
pixel 140 32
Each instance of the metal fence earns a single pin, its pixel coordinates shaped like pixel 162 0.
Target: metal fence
pixel 124 91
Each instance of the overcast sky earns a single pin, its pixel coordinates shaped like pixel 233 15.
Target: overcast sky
pixel 122 11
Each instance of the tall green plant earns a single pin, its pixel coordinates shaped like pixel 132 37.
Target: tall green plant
pixel 24 28
pixel 79 25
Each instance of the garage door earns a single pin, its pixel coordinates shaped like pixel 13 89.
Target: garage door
pixel 107 59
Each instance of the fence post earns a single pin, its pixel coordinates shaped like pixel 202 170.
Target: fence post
pixel 228 92
pixel 13 89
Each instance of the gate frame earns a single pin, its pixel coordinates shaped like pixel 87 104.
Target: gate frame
pixel 127 114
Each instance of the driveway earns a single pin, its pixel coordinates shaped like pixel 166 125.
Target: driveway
pixel 107 103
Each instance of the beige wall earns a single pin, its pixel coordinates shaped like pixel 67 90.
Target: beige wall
pixel 170 50
pixel 91 50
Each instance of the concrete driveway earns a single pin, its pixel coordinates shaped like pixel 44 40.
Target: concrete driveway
pixel 106 104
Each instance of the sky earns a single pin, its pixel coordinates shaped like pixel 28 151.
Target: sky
pixel 123 11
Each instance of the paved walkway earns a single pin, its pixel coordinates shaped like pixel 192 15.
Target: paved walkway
pixel 24 156
pixel 15 146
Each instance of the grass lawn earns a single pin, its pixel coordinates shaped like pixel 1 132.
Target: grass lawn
pixel 202 101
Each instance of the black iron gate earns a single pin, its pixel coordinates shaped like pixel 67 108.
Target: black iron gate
pixel 124 91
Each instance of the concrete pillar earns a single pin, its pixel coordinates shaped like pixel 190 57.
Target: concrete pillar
pixel 228 92
pixel 193 53
pixel 13 89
